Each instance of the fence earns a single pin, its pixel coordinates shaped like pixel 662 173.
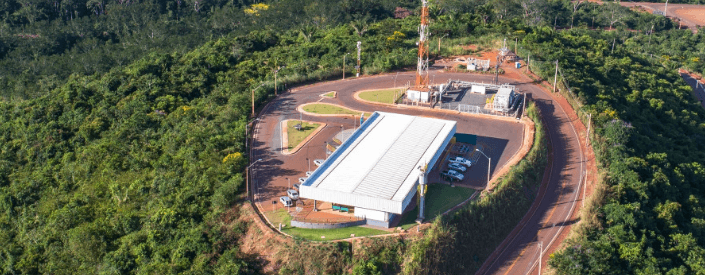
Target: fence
pixel 514 111
pixel 327 224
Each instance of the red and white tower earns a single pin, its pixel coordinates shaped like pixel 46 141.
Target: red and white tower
pixel 422 65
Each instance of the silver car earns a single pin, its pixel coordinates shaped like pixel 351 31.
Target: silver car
pixel 293 194
pixel 461 160
pixel 456 166
pixel 286 201
pixel 318 162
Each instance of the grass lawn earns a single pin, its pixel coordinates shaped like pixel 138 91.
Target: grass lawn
pixel 329 94
pixel 281 216
pixel 295 136
pixel 327 109
pixel 439 198
pixel 383 96
pixel 332 234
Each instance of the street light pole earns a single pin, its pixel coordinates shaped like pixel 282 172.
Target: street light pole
pixel 247 177
pixel 489 164
pixel 275 78
pixel 344 57
pixel 253 99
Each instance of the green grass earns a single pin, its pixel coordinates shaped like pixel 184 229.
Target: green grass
pixel 281 216
pixel 329 94
pixel 295 136
pixel 327 109
pixel 439 198
pixel 332 234
pixel 383 96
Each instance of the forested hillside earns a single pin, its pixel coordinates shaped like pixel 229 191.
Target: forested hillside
pixel 123 153
pixel 43 42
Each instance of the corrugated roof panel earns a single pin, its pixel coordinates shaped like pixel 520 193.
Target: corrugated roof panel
pixel 361 158
pixel 394 167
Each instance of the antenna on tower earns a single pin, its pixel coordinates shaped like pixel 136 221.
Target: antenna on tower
pixel 422 65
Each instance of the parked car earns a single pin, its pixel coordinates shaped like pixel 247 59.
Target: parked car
pixel 318 162
pixel 296 186
pixel 293 194
pixel 309 173
pixel 461 160
pixel 456 166
pixel 452 174
pixel 286 201
pixel 302 180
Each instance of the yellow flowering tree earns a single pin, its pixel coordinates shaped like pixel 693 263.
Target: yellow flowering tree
pixel 254 9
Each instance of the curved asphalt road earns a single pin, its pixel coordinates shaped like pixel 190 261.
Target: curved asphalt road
pixel 518 255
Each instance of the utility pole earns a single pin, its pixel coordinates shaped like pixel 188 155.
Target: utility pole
pixel 496 71
pixel 344 56
pixel 665 10
pixel 540 255
pixel 555 79
pixel 516 41
pixel 359 49
pixel 275 78
pixel 650 32
pixel 528 61
pixel 587 136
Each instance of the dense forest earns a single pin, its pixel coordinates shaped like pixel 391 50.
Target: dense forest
pixel 122 127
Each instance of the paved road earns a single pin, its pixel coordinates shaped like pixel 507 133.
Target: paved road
pixel 519 255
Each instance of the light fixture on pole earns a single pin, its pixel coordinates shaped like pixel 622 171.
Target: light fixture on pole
pixel 247 177
pixel 253 99
pixel 489 164
pixel 275 78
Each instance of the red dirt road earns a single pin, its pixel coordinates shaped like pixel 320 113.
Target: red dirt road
pixel 690 15
pixel 547 221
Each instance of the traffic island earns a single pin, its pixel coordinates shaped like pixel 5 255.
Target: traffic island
pixel 296 133
pixel 327 109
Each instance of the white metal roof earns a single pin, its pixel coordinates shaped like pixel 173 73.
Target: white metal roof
pixel 504 91
pixel 377 167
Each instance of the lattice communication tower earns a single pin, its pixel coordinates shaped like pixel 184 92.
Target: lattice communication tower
pixel 422 65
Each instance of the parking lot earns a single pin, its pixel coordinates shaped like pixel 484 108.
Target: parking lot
pixel 476 175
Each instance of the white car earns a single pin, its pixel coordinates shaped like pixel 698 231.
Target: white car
pixel 302 179
pixel 293 194
pixel 457 166
pixel 461 160
pixel 309 173
pixel 286 201
pixel 296 186
pixel 318 162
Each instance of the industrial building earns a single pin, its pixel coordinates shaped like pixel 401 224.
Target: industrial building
pixel 377 170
